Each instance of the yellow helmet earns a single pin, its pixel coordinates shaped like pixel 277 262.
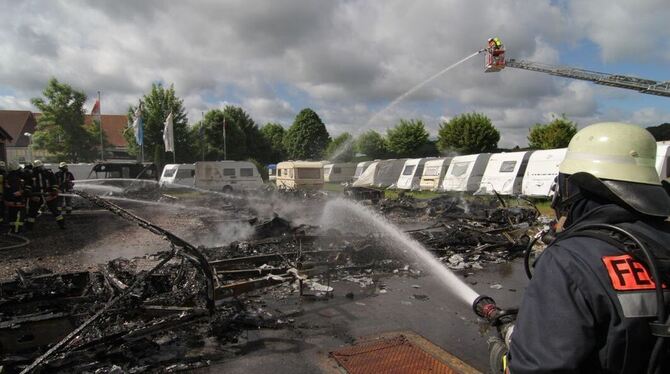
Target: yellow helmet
pixel 63 164
pixel 617 161
pixel 38 164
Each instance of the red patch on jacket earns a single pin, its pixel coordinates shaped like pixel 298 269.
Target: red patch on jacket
pixel 627 274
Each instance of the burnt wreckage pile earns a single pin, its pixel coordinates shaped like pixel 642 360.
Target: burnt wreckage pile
pixel 465 234
pixel 182 308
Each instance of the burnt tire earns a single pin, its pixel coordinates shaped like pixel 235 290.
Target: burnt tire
pixel 227 189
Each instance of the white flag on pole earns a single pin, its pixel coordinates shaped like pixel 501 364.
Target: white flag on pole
pixel 168 134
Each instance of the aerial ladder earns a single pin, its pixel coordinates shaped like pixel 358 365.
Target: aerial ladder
pixel 495 62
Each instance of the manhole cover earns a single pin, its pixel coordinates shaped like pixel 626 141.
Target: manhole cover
pixel 395 354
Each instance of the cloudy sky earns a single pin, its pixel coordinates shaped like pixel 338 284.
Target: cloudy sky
pixel 345 59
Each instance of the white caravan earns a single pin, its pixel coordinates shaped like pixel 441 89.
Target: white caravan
pixel 294 175
pixel 383 173
pixel 411 174
pixel 178 175
pixel 465 173
pixel 433 174
pixel 541 171
pixel 504 173
pixel 663 160
pixel 227 176
pixel 338 172
pixel 360 168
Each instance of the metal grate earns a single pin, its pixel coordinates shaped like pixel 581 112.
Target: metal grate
pixel 390 355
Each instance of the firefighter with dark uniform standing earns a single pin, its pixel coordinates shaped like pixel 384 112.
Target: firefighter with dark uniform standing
pixel 43 190
pixel 65 180
pixel 590 306
pixel 14 197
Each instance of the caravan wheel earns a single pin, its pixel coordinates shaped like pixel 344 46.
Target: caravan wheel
pixel 227 189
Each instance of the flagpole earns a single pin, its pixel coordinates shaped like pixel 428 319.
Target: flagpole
pixel 202 138
pixel 102 144
pixel 225 154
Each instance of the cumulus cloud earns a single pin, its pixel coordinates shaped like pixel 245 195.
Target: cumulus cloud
pixel 346 60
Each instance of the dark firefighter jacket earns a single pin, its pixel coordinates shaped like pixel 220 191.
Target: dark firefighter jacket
pixel 588 306
pixel 43 181
pixel 13 182
pixel 65 180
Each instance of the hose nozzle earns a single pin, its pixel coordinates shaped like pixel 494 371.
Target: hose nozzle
pixel 486 308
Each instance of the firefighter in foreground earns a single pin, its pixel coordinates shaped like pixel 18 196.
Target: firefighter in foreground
pixel 65 180
pixel 43 190
pixel 591 304
pixel 14 197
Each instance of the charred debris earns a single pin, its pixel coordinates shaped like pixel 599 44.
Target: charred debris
pixel 165 312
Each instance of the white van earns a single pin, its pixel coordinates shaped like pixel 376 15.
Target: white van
pixel 541 171
pixel 177 175
pixel 411 174
pixel 433 174
pixel 465 173
pixel 227 176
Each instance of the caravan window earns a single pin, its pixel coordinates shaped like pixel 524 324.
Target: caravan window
pixel 507 166
pixel 359 171
pixel 409 169
pixel 308 173
pixel 337 170
pixel 432 171
pixel 228 172
pixel 185 173
pixel 460 168
pixel 169 173
pixel 246 172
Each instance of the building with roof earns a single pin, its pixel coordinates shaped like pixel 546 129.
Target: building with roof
pixel 21 124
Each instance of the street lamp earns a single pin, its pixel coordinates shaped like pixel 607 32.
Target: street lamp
pixel 30 145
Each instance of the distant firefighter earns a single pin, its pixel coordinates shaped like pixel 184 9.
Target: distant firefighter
pixel 14 196
pixel 65 180
pixel 43 190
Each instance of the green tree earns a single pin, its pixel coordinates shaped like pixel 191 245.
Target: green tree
pixel 372 144
pixel 274 136
pixel 156 106
pixel 236 142
pixel 555 134
pixel 468 133
pixel 307 138
pixel 341 149
pixel 255 144
pixel 60 129
pixel 408 138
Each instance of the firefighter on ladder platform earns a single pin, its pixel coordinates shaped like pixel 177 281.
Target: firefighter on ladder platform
pixel 65 180
pixel 495 55
pixel 43 190
pixel 14 196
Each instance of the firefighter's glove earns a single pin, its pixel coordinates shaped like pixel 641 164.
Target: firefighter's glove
pixel 497 355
